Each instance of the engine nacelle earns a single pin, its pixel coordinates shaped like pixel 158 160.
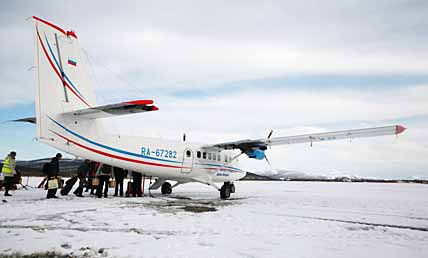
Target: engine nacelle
pixel 256 154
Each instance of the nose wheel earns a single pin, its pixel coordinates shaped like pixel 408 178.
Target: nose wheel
pixel 227 189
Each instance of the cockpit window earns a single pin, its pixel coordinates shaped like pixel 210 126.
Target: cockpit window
pixel 204 155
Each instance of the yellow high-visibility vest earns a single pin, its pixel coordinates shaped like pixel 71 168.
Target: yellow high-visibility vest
pixel 6 169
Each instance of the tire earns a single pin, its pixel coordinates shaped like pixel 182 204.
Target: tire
pixel 225 191
pixel 166 188
pixel 232 188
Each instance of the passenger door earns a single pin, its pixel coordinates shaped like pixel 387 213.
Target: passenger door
pixel 187 161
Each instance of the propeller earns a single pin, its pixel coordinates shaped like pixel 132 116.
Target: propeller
pixel 270 134
pixel 266 158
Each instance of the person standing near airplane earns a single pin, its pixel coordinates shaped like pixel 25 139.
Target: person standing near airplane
pixel 82 171
pixel 93 168
pixel 9 172
pixel 53 173
pixel 104 174
pixel 136 184
pixel 119 175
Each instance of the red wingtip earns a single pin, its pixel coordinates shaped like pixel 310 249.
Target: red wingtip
pixel 399 129
pixel 154 108
pixel 140 102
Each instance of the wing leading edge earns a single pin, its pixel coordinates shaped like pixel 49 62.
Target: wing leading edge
pixel 250 145
pixel 124 108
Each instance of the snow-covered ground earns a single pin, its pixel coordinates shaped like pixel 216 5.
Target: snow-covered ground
pixel 263 219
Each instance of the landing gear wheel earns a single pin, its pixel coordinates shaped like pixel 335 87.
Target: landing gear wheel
pixel 166 188
pixel 225 191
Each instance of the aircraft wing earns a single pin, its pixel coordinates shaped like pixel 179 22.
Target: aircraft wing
pixel 248 146
pixel 123 108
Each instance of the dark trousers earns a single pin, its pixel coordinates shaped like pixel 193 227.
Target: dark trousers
pixel 103 182
pixel 137 185
pixel 90 186
pixel 8 182
pixel 51 193
pixel 119 186
pixel 79 189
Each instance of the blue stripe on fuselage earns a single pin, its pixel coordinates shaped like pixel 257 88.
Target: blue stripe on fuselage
pixel 108 147
pixel 220 166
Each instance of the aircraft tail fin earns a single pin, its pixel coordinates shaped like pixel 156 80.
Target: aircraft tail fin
pixel 63 82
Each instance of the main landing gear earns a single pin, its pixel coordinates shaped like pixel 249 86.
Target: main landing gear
pixel 166 188
pixel 226 190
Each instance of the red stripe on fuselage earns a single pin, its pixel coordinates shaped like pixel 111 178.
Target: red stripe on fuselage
pixel 56 71
pixel 114 156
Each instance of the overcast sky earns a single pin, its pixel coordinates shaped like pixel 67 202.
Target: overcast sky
pixel 228 70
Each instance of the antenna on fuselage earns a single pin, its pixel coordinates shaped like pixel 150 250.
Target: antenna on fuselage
pixel 184 137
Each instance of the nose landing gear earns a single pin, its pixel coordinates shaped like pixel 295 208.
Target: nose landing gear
pixel 226 190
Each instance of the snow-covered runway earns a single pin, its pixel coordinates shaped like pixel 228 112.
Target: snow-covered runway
pixel 263 219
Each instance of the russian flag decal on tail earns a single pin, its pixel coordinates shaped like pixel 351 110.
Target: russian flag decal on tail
pixel 72 62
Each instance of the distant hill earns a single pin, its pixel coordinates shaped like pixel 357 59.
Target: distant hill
pixel 252 176
pixel 68 167
pixel 289 175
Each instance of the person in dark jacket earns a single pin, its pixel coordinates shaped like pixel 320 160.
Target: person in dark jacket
pixel 53 172
pixel 93 168
pixel 136 184
pixel 104 174
pixel 119 175
pixel 82 171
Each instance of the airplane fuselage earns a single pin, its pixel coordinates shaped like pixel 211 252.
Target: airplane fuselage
pixel 179 161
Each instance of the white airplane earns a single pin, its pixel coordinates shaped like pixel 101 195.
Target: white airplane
pixel 68 119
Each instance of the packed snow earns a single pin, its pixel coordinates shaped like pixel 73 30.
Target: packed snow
pixel 262 219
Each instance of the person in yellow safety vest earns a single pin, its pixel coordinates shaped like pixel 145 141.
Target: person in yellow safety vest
pixel 9 171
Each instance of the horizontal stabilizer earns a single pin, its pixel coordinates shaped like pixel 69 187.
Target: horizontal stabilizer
pixel 31 120
pixel 124 108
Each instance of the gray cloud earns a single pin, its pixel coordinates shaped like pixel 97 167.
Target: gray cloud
pixel 188 43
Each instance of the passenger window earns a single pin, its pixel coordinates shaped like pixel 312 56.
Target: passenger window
pixel 188 153
pixel 198 154
pixel 218 157
pixel 214 157
pixel 225 158
pixel 209 156
pixel 204 155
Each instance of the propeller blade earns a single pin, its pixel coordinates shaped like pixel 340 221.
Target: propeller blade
pixel 267 160
pixel 270 134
